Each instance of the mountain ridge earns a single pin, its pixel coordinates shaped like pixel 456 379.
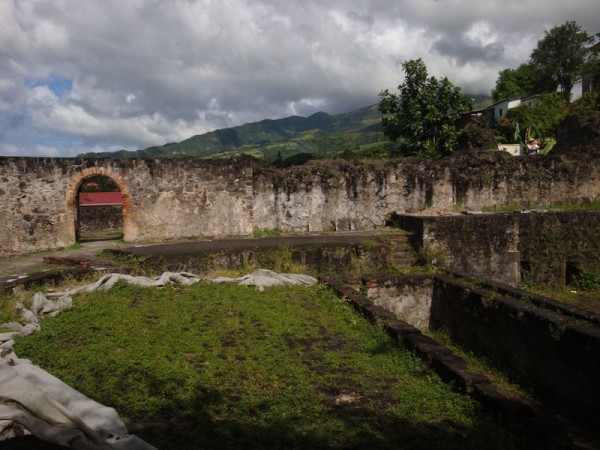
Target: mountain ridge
pixel 269 138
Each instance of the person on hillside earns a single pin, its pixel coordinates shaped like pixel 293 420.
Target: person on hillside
pixel 533 147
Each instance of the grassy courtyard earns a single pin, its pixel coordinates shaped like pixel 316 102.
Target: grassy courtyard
pixel 226 366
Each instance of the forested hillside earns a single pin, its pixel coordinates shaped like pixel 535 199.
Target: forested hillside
pixel 320 134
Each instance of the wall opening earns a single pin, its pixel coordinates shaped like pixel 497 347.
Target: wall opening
pixel 99 209
pixel 106 179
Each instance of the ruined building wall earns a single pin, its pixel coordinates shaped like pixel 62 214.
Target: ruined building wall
pixel 482 246
pixel 338 195
pixel 543 247
pixel 162 199
pixel 175 199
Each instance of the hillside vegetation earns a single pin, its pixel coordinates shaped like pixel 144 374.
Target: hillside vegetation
pixel 319 134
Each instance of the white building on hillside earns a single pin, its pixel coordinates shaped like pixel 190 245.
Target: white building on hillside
pixel 500 108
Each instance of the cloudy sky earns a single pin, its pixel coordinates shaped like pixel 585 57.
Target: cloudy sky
pixel 102 75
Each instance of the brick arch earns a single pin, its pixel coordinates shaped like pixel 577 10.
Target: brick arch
pixel 73 189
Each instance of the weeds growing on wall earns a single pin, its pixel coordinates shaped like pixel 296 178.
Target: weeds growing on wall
pixel 477 363
pixel 571 205
pixel 432 256
pixel 585 295
pixel 225 366
pixel 266 233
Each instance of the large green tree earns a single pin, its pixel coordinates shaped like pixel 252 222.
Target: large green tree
pixel 563 55
pixel 422 116
pixel 524 80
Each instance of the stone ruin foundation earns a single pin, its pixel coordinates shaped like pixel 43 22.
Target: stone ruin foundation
pixel 545 345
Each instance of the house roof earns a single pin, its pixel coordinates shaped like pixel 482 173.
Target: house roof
pixel 100 198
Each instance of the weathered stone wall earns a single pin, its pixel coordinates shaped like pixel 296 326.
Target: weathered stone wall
pixel 162 199
pixel 557 244
pixel 542 247
pixel 556 353
pixel 337 195
pixel 408 298
pixel 483 246
pixel 173 199
pixel 100 218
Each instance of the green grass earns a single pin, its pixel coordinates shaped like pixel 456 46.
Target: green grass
pixel 266 233
pixel 569 295
pixel 225 366
pixel 509 207
pixel 593 205
pixel 8 313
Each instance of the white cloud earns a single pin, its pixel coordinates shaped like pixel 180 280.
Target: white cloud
pixel 146 72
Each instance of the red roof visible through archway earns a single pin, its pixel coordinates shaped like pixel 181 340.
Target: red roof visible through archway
pixel 100 198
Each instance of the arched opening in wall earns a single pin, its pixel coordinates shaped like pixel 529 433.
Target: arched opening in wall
pixel 99 209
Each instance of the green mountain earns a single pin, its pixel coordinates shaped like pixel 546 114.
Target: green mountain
pixel 321 134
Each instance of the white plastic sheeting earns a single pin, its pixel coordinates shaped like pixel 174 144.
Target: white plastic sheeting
pixel 33 401
pixel 266 278
pixel 53 411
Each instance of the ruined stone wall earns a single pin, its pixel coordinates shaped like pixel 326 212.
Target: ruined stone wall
pixel 162 199
pixel 558 245
pixel 483 246
pixel 338 195
pixel 554 351
pixel 539 246
pixel 173 199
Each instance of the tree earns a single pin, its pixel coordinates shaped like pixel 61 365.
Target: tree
pixel 524 80
pixel 563 55
pixel 422 116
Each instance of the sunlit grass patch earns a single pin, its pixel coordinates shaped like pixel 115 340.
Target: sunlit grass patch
pixel 226 366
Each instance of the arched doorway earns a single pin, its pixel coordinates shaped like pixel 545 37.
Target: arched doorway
pixel 109 193
pixel 100 209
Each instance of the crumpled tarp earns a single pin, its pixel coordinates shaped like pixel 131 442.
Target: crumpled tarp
pixel 55 412
pixel 266 278
pixel 41 404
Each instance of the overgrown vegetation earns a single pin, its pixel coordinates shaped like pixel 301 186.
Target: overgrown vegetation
pixel 8 312
pixel 593 205
pixel 266 233
pixel 539 121
pixel 582 290
pixel 224 366
pixel 480 364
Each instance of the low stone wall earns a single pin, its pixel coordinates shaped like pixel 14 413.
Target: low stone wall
pixel 558 354
pixel 518 412
pixel 323 253
pixel 484 246
pixel 556 245
pixel 541 246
